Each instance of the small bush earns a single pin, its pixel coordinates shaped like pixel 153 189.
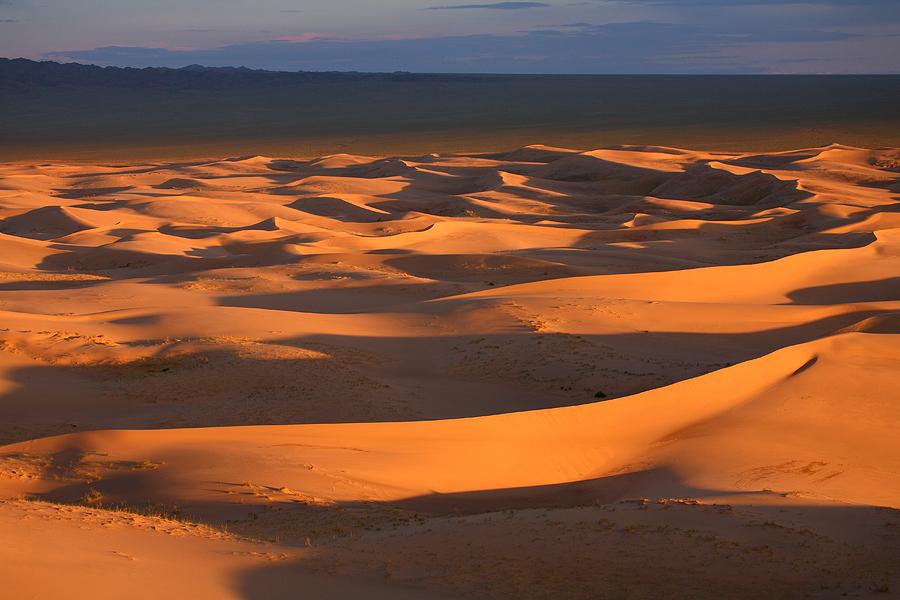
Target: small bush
pixel 92 496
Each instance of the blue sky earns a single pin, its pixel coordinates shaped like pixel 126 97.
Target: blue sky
pixel 566 36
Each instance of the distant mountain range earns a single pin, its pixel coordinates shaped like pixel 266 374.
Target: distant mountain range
pixel 24 73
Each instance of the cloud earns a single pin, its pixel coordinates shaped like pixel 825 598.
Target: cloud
pixel 811 14
pixel 494 6
pixel 9 20
pixel 634 47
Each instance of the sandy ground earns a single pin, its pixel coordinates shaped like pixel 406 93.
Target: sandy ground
pixel 635 372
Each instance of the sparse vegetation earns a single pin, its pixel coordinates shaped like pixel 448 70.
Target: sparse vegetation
pixel 92 497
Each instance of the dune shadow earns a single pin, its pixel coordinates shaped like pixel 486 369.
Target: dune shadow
pixel 126 263
pixel 882 290
pixel 48 285
pixel 595 539
pixel 107 205
pixel 336 208
pixel 81 193
pixel 348 300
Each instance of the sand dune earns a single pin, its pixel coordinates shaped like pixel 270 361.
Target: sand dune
pixel 416 376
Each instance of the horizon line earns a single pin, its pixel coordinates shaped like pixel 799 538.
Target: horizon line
pixel 443 73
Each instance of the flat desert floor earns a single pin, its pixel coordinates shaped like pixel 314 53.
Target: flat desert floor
pixel 636 372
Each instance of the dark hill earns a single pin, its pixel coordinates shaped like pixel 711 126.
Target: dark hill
pixel 21 72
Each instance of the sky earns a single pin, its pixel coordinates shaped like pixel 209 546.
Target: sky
pixel 453 36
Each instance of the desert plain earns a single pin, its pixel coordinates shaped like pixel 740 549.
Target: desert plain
pixel 634 372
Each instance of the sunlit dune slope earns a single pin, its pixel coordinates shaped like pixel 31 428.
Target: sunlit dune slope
pixel 795 420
